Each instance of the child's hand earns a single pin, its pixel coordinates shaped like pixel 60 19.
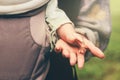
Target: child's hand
pixel 76 44
pixel 67 51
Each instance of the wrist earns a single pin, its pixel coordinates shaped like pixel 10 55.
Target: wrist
pixel 65 30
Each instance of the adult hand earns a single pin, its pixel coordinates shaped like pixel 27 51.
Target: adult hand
pixel 68 34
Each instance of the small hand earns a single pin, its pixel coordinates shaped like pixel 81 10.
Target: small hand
pixel 83 42
pixel 74 54
pixel 67 33
pixel 74 40
pixel 67 51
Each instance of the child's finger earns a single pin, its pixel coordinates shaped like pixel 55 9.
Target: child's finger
pixel 65 53
pixel 73 59
pixel 93 49
pixel 89 45
pixel 80 60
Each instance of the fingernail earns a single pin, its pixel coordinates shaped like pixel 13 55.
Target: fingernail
pixel 57 50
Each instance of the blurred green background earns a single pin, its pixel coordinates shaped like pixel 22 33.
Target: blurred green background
pixel 108 68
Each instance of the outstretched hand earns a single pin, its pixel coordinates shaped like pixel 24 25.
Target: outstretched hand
pixel 74 45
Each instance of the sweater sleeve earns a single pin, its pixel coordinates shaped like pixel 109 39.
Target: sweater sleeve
pixel 94 22
pixel 55 17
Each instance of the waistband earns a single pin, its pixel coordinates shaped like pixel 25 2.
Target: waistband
pixel 26 14
pixel 11 8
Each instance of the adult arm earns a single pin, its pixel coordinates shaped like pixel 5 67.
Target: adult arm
pixel 55 18
pixel 66 32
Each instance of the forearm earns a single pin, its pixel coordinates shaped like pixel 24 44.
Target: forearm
pixel 94 21
pixel 55 18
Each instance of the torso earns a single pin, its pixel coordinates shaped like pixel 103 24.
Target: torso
pixel 19 6
pixel 11 2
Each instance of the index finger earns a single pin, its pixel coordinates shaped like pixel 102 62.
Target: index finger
pixel 89 45
pixel 93 49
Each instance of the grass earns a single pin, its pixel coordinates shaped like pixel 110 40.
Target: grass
pixel 108 68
